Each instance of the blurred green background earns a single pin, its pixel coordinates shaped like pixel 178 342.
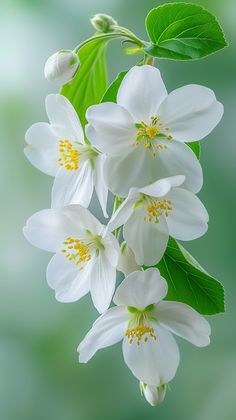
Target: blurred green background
pixel 40 377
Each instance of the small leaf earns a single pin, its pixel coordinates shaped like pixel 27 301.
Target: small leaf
pixel 90 81
pixel 111 92
pixel 188 282
pixel 183 31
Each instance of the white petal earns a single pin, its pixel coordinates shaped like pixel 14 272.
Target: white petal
pixel 112 249
pixel 42 149
pixel 73 187
pixel 48 229
pixel 128 170
pixel 162 186
pixel 108 329
pixel 99 183
pixel 102 282
pixel 127 263
pixel 123 212
pixel 188 219
pixel 148 240
pixel 154 362
pixel 141 92
pixel 138 168
pixel 141 288
pixel 184 321
pixel 69 283
pixel 178 159
pixel 191 112
pixel 62 114
pixel 111 128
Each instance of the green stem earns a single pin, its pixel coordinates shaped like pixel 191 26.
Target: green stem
pixel 121 33
pixel 117 203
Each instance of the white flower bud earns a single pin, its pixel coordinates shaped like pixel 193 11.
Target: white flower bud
pixel 126 262
pixel 103 23
pixel 61 66
pixel 153 394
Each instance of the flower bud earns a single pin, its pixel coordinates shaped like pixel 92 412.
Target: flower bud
pixel 153 394
pixel 103 23
pixel 61 66
pixel 126 262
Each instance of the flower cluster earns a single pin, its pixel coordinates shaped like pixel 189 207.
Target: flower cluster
pixel 136 149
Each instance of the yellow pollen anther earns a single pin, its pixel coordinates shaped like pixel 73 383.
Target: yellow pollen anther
pixel 155 208
pixel 147 135
pixel 77 251
pixel 139 332
pixel 69 156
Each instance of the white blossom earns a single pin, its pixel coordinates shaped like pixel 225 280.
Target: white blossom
pixel 59 149
pixel 143 134
pixel 85 255
pixel 145 323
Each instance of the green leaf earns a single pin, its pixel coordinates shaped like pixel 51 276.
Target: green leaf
pixel 90 81
pixel 183 31
pixel 196 148
pixel 188 282
pixel 111 93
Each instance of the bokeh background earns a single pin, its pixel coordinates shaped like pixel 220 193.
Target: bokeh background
pixel 40 377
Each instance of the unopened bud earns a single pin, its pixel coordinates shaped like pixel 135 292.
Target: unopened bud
pixel 61 66
pixel 103 23
pixel 153 394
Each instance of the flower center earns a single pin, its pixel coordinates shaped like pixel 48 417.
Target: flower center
pixel 155 208
pixel 147 135
pixel 69 156
pixel 140 332
pixel 77 251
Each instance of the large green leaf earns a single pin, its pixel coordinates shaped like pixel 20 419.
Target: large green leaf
pixel 183 31
pixel 188 282
pixel 90 81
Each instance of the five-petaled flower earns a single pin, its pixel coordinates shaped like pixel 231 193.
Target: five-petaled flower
pixel 145 322
pixel 59 149
pixel 143 134
pixel 152 213
pixel 86 256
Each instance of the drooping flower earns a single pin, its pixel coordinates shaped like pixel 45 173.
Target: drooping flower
pixel 145 322
pixel 59 149
pixel 152 213
pixel 61 66
pixel 143 134
pixel 153 394
pixel 85 255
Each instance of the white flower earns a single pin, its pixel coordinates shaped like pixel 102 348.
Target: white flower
pixel 150 214
pixel 144 322
pixel 144 133
pixel 59 149
pixel 153 394
pixel 85 256
pixel 61 66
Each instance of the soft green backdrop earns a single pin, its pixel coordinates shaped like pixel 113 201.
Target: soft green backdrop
pixel 40 378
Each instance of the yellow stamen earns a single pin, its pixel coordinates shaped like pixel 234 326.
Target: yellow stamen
pixel 69 156
pixel 155 208
pixel 140 332
pixel 147 135
pixel 77 251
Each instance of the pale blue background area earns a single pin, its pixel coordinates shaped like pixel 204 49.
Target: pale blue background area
pixel 40 378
